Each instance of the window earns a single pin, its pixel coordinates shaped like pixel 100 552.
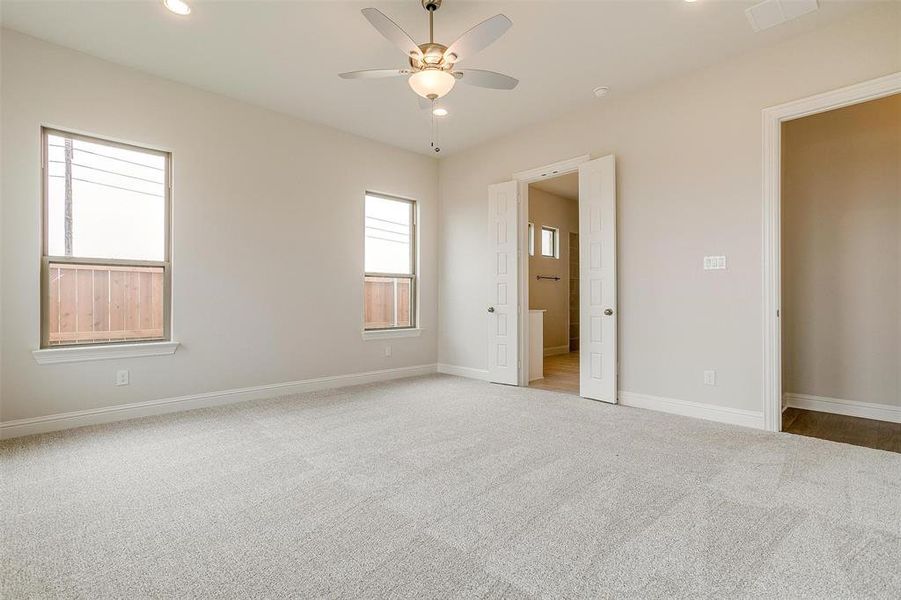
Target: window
pixel 531 239
pixel 550 242
pixel 389 284
pixel 105 271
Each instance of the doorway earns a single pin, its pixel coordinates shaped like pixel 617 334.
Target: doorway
pixel 841 274
pixel 553 283
pixel 508 329
pixel 773 119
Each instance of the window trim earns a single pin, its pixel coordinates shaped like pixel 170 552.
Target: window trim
pixel 413 275
pixel 395 332
pixel 555 251
pixel 46 258
pixel 103 351
pixel 531 234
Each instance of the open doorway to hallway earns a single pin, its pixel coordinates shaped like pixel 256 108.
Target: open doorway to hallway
pixel 841 274
pixel 553 283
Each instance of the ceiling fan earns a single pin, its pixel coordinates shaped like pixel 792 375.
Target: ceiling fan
pixel 432 72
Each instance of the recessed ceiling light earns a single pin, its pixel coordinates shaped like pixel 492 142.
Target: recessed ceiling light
pixel 602 90
pixel 440 112
pixel 691 0
pixel 179 7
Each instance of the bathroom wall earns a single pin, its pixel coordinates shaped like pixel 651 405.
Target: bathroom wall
pixel 549 210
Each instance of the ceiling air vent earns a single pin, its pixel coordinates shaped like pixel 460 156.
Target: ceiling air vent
pixel 776 12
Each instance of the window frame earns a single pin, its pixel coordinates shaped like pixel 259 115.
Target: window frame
pixel 413 275
pixel 555 242
pixel 46 258
pixel 531 235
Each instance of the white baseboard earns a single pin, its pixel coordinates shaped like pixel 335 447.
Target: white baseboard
pixel 722 414
pixel 734 416
pixel 481 374
pixel 555 350
pixel 121 412
pixel 839 406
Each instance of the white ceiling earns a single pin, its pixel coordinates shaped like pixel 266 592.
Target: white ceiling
pixel 286 55
pixel 564 186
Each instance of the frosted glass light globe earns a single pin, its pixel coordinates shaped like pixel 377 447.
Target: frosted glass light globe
pixel 432 83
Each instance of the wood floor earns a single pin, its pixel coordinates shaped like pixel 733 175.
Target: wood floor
pixel 880 435
pixel 561 373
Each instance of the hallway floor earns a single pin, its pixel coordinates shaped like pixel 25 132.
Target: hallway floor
pixel 880 435
pixel 561 373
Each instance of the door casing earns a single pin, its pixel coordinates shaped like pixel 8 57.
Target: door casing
pixel 773 118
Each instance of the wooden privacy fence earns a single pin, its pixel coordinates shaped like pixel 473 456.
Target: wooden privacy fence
pixel 94 303
pixel 379 302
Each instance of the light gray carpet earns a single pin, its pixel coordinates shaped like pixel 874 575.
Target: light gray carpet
pixel 440 487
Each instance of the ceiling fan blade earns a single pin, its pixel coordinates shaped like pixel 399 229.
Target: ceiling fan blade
pixel 478 38
pixel 392 32
pixel 487 79
pixel 375 73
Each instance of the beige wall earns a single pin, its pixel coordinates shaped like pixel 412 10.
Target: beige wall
pixel 841 225
pixel 689 184
pixel 267 235
pixel 268 223
pixel 552 211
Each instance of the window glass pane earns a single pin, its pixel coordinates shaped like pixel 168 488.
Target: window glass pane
pixel 388 235
pixel 547 241
pixel 102 303
pixel 387 302
pixel 115 198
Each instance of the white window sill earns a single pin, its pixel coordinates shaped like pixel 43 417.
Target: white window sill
pixel 51 356
pixel 382 334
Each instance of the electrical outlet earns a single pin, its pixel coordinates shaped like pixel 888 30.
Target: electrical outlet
pixel 387 350
pixel 709 377
pixel 122 377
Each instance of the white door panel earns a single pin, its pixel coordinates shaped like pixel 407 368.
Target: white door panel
pixel 503 303
pixel 597 274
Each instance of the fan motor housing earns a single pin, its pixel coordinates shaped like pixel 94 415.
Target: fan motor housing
pixel 432 56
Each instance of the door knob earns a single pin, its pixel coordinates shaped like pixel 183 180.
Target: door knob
pixel 608 311
pixel 490 309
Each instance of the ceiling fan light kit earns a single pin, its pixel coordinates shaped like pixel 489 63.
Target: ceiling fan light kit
pixel 432 70
pixel 432 83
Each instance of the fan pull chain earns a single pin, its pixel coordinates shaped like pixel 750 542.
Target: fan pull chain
pixel 434 129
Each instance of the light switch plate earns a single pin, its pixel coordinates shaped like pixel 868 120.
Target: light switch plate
pixel 709 377
pixel 714 263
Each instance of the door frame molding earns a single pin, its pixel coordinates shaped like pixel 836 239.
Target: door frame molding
pixel 523 179
pixel 773 117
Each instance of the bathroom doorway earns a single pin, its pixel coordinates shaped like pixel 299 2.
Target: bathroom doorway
pixel 512 353
pixel 553 283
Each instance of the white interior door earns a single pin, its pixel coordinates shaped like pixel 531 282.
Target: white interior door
pixel 503 307
pixel 597 275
